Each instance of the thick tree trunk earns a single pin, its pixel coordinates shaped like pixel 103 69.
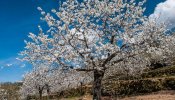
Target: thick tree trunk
pixel 98 76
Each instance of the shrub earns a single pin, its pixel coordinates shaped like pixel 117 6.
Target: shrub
pixel 133 87
pixel 160 72
pixel 169 83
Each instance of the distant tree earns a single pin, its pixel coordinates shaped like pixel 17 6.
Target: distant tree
pixel 35 82
pixel 99 36
pixel 69 80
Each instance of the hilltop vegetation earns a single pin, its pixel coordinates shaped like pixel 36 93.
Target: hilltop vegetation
pixel 151 81
pixel 163 80
pixel 10 91
pixel 112 86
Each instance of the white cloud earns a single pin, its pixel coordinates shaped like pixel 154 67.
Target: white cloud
pixel 11 62
pixel 8 65
pixel 165 12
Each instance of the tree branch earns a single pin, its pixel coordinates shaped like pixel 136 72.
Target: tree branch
pixel 109 58
pixel 86 70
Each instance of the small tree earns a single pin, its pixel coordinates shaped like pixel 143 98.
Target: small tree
pixel 96 35
pixel 35 82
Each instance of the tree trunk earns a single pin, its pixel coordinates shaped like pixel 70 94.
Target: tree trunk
pixel 81 88
pixel 98 76
pixel 48 91
pixel 40 94
pixel 48 94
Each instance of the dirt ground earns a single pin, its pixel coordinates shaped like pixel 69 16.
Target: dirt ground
pixel 161 95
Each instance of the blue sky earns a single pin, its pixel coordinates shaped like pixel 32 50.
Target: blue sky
pixel 17 19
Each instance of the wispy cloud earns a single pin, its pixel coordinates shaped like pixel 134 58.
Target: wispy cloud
pixel 165 12
pixel 12 62
pixel 8 65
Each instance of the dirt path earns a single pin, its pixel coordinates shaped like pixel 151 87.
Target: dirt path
pixel 161 95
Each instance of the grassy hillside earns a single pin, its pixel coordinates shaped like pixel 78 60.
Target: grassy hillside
pixel 148 82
